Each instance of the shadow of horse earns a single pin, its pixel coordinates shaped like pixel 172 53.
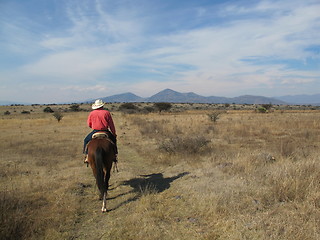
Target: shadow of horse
pixel 146 184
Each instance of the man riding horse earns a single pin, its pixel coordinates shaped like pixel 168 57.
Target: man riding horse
pixel 100 120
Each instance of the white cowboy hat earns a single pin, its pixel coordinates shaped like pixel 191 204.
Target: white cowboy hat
pixel 97 104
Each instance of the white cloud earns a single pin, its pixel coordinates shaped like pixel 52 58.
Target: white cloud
pixel 217 52
pixel 76 65
pixel 105 41
pixel 77 88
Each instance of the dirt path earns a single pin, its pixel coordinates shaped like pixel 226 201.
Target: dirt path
pixel 174 189
pixel 148 202
pixel 126 186
pixel 91 223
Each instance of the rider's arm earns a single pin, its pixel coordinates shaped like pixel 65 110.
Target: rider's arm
pixel 111 124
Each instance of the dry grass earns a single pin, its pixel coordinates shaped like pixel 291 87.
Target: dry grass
pixel 37 169
pixel 182 176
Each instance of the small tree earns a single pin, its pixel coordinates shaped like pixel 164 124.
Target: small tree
pixel 163 106
pixel 58 116
pixel 214 116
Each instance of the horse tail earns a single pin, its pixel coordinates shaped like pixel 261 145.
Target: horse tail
pixel 99 159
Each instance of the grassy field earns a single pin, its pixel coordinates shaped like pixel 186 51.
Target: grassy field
pixel 244 175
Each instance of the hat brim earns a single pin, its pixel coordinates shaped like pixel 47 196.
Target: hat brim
pixel 97 106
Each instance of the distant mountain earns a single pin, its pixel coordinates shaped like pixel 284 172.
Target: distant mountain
pixel 124 97
pixel 301 99
pixel 169 95
pixel 249 99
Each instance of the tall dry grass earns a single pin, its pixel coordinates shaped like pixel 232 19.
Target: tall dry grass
pixel 270 166
pixel 37 175
pixel 182 176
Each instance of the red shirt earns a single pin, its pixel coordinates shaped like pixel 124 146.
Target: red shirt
pixel 101 119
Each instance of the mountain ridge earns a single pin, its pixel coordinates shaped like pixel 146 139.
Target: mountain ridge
pixel 301 99
pixel 169 95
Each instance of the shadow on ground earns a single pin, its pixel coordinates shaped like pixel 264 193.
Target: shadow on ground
pixel 154 182
pixel 146 184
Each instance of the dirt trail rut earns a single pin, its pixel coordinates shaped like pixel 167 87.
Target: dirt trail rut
pixel 124 189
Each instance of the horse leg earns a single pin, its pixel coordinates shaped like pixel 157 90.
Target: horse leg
pixel 104 202
pixel 104 198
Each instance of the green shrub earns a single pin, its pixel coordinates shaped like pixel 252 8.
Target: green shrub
pixel 262 110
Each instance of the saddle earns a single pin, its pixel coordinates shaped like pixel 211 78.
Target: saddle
pixel 101 135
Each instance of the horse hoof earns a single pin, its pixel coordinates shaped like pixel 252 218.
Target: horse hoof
pixel 104 210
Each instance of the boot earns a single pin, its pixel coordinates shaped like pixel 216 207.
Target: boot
pixel 86 159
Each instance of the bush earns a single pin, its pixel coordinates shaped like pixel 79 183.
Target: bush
pixel 25 112
pixel 48 110
pixel 188 145
pixel 262 110
pixel 267 106
pixel 75 107
pixel 163 106
pixel 149 109
pixel 7 113
pixel 127 106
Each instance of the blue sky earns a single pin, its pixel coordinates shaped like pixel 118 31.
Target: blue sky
pixel 69 50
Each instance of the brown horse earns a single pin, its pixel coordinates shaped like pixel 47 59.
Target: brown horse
pixel 101 155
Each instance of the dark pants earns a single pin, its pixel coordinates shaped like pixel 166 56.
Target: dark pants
pixel 89 137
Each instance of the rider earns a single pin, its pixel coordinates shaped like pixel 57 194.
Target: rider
pixel 100 120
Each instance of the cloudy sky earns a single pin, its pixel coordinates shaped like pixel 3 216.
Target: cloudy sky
pixel 68 50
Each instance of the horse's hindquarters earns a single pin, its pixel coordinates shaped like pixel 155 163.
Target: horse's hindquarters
pixel 101 156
